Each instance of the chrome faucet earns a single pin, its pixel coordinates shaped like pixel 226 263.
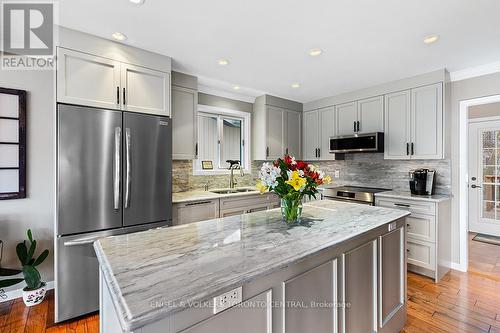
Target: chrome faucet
pixel 234 165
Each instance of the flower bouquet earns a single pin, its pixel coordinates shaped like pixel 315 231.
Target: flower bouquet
pixel 291 180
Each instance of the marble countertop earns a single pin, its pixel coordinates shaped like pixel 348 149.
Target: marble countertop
pixel 199 195
pixel 408 195
pixel 194 262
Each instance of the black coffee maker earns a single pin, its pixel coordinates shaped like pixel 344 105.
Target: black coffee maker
pixel 422 181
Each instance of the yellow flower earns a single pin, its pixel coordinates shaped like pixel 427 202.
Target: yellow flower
pixel 261 187
pixel 327 180
pixel 296 181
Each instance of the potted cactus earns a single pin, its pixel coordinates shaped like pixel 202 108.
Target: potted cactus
pixel 34 292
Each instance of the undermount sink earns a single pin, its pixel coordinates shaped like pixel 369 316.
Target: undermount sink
pixel 233 190
pixel 224 191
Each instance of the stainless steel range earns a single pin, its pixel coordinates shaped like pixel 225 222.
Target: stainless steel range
pixel 354 194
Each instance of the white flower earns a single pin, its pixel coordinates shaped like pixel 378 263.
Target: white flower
pixel 293 160
pixel 268 174
pixel 321 174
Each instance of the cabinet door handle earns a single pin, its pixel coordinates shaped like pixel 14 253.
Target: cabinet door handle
pixel 412 148
pixel 286 151
pixel 357 126
pixel 196 150
pixel 118 95
pixel 402 205
pixel 124 97
pixel 267 151
pixel 407 149
pixel 198 203
pixel 319 152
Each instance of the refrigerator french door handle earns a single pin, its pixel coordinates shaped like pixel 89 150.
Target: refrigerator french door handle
pixel 127 167
pixel 116 171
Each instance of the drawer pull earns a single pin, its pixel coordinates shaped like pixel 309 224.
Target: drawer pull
pixel 408 250
pixel 198 203
pixel 402 205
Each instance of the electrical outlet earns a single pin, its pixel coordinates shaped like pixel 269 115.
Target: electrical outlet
pixel 336 174
pixel 227 300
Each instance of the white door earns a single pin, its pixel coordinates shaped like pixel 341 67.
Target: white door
pixel 293 133
pixel 327 130
pixel 427 122
pixel 484 177
pixel 311 127
pixel 397 126
pixel 145 90
pixel 371 115
pixel 347 115
pixel 274 132
pixel 87 80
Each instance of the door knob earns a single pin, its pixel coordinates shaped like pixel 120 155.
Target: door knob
pixel 475 186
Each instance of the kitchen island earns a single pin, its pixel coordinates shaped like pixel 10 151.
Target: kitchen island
pixel 343 269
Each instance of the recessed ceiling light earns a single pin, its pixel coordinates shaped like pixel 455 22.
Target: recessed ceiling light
pixel 119 36
pixel 137 2
pixel 315 52
pixel 431 39
pixel 223 62
pixel 296 85
pixel 236 87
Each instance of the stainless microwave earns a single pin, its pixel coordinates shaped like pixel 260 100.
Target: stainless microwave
pixel 358 143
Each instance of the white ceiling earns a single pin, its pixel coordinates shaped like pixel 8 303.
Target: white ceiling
pixel 365 42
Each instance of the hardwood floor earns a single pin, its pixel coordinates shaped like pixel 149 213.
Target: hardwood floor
pixel 460 302
pixel 484 258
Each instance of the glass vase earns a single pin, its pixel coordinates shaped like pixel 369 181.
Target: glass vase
pixel 291 209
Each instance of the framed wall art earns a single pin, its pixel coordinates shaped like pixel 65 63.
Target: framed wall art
pixel 12 144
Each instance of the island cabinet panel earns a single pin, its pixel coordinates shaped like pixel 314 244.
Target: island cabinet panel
pixel 391 275
pixel 308 300
pixel 360 288
pixel 195 211
pixel 252 316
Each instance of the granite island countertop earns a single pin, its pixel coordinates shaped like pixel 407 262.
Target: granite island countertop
pixel 194 262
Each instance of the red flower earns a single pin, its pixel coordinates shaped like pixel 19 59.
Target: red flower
pixel 288 160
pixel 301 165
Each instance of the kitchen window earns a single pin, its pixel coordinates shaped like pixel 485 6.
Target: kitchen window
pixel 223 134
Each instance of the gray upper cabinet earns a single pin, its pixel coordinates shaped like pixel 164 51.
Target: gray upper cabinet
pixel 347 115
pixel 427 122
pixel 397 125
pixel 414 123
pixel 85 79
pixel 311 137
pixel 363 116
pixel 276 128
pixel 145 90
pixel 90 80
pixel 371 115
pixel 275 132
pixel 184 116
pixel 319 126
pixel 293 135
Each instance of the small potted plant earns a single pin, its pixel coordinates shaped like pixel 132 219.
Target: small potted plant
pixel 34 292
pixel 291 180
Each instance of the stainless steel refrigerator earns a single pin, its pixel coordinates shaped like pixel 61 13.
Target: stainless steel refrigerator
pixel 113 177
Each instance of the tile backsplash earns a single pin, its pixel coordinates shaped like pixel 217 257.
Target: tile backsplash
pixel 357 169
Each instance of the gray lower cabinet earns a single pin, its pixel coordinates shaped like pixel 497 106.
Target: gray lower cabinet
pixel 196 211
pixel 307 297
pixel 252 316
pixel 360 288
pixel 392 277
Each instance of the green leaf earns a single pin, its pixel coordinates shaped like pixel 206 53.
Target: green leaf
pixel 9 282
pixel 22 252
pixel 31 251
pixel 41 258
pixel 30 235
pixel 32 277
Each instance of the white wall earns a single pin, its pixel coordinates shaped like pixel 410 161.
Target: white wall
pixel 37 210
pixel 481 86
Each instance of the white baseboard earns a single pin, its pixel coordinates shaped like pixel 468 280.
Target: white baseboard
pixel 458 267
pixel 16 293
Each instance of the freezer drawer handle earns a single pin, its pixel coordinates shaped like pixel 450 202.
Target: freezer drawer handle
pixel 116 171
pixel 83 241
pixel 127 167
